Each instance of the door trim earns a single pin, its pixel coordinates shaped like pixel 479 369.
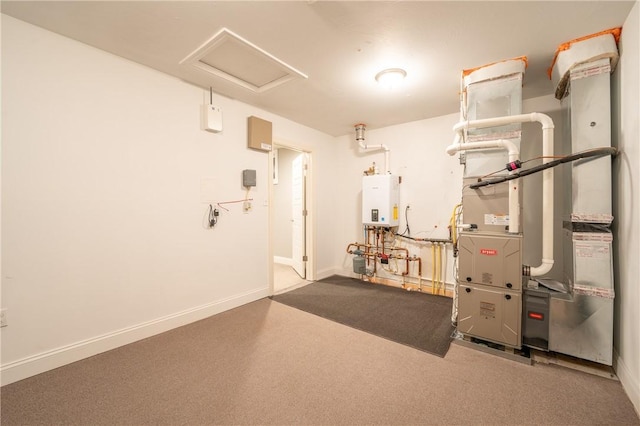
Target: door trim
pixel 310 218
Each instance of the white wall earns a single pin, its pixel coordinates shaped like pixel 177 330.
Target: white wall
pixel 106 179
pixel 626 198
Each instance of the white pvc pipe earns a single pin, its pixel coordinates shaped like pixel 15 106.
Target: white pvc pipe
pixel 514 154
pixel 547 175
pixel 360 128
pixel 545 120
pixel 379 147
pixel 547 207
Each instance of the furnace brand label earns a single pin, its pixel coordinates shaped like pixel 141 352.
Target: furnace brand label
pixel 488 252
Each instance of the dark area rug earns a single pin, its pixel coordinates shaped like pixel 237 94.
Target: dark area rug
pixel 419 320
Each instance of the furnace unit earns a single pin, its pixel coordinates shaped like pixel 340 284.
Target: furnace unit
pixel 489 290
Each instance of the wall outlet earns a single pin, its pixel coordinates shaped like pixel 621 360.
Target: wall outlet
pixel 246 207
pixel 3 318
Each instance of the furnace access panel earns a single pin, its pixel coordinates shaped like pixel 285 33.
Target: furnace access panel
pixel 491 260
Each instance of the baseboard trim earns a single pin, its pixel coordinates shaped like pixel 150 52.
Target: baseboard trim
pixel 45 361
pixel 630 384
pixel 283 260
pixel 326 273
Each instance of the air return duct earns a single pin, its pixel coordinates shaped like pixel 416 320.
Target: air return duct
pixel 228 56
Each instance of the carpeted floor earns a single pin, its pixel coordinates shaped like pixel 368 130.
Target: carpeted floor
pixel 266 363
pixel 419 320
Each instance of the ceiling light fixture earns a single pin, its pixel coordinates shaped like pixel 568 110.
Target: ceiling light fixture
pixel 391 77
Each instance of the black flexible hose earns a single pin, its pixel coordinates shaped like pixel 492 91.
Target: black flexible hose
pixel 596 152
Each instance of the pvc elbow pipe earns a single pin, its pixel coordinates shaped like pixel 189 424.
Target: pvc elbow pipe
pixel 512 149
pixel 543 269
pixel 543 119
pixel 455 146
pixel 379 147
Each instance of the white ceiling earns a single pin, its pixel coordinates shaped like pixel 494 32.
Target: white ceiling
pixel 339 45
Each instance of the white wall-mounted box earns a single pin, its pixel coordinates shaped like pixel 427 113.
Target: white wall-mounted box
pixel 380 199
pixel 211 118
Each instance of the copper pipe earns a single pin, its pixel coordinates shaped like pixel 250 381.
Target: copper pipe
pixel 374 255
pixel 406 258
pixel 419 260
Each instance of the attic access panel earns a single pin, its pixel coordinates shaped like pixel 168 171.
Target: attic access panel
pixel 227 55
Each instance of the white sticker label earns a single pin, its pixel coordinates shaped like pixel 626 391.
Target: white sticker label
pixel 598 218
pixel 266 146
pixel 593 251
pixel 588 72
pixel 496 219
pixel 604 237
pixel 605 293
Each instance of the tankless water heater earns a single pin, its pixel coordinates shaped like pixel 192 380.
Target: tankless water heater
pixel 380 198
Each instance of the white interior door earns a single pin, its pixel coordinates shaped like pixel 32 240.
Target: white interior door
pixel 298 214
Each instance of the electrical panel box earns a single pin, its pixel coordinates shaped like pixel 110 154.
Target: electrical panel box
pixel 491 260
pixel 260 134
pixel 380 199
pixel 211 118
pixel 248 178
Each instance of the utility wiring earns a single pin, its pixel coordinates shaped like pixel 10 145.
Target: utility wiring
pixel 406 234
pixel 407 231
pixel 214 213
pixel 424 240
pixel 595 152
pixel 232 202
pixel 505 169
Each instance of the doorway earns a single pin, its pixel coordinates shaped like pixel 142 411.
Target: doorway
pixel 290 218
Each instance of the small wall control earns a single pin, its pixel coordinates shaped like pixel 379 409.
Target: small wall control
pixel 248 178
pixel 211 118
